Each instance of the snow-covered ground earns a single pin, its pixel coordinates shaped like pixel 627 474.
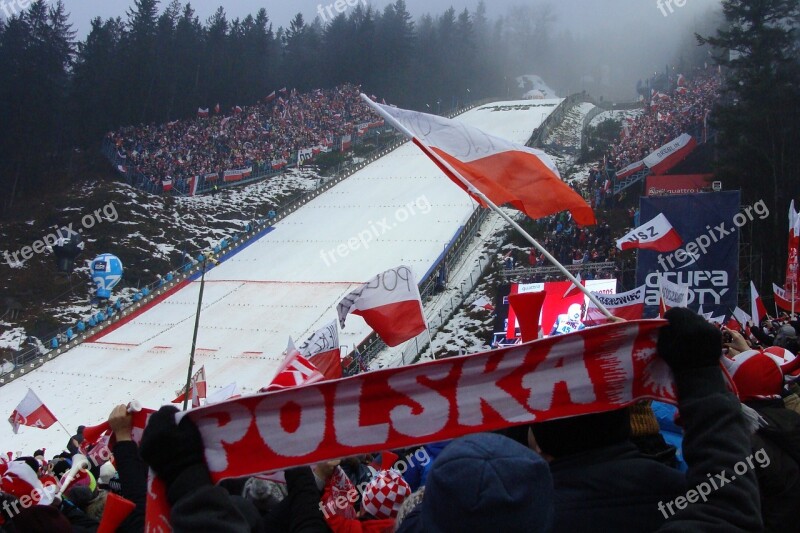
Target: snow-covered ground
pixel 398 210
pixel 615 115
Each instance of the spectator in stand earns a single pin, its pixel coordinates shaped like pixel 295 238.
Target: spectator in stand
pixel 254 136
pixel 75 441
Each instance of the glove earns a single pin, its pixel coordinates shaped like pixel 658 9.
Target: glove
pixel 689 342
pixel 171 448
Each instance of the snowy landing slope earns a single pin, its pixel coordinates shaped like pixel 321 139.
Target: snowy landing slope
pixel 398 210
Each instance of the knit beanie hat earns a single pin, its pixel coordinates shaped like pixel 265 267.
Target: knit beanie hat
pixel 385 493
pixel 487 482
pixel 264 491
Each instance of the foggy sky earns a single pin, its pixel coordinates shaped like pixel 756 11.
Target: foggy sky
pixel 631 37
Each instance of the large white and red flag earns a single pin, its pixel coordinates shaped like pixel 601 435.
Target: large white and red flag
pixel 322 350
pixel 671 295
pixel 295 371
pixel 626 305
pixel 504 171
pixel 198 387
pixel 784 300
pixel 658 235
pixel 31 412
pixel 757 309
pixel 390 304
pixel 792 266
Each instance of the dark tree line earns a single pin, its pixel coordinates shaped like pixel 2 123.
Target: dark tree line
pixel 160 63
pixel 759 115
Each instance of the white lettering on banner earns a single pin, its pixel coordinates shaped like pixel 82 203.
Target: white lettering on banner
pixel 292 428
pixel 555 370
pixel 347 419
pixel 431 404
pixel 718 279
pixel 222 424
pixel 594 370
pixel 470 397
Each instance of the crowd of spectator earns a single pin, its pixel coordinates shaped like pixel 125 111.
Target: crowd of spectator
pixel 265 134
pixel 684 108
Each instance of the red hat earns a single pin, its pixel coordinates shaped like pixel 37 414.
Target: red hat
pixel 385 494
pixel 757 375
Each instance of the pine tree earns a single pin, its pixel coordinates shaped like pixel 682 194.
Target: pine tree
pixel 759 116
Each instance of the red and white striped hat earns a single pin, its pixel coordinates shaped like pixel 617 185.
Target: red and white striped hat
pixel 385 494
pixel 757 376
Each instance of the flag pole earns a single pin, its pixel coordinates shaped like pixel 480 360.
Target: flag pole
pixel 430 337
pixel 64 428
pixel 475 192
pixel 188 388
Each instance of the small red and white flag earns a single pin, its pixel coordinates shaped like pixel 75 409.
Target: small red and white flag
pixel 627 305
pixel 484 303
pixel 198 388
pixel 505 172
pixel 658 235
pixel 31 412
pixel 390 304
pixel 270 97
pixel 202 112
pixel 295 371
pixel 757 309
pixel 323 351
pixel 672 295
pixel 783 299
pixel 741 317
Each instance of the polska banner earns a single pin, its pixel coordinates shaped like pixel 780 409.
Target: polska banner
pixel 590 371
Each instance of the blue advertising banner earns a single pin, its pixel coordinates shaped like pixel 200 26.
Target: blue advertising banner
pixel 708 260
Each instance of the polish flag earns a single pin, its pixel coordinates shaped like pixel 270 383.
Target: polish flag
pixel 757 309
pixel 202 112
pixel 741 317
pixel 270 97
pixel 295 371
pixel 390 304
pixel 783 299
pixel 626 305
pixel 31 412
pixel 505 172
pixel 322 350
pixel 198 387
pixel 483 303
pixel 658 235
pixel 528 308
pixel 672 295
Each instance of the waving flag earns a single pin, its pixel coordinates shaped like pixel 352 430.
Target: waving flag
pixel 198 387
pixel 322 350
pixel 783 299
pixel 741 317
pixel 672 295
pixel 505 172
pixel 658 235
pixel 31 412
pixel 626 305
pixel 295 371
pixel 757 309
pixel 390 304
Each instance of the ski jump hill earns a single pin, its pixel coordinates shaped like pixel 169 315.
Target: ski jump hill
pixel 400 209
